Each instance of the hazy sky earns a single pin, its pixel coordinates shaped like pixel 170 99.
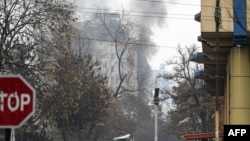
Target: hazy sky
pixel 171 21
pixel 180 28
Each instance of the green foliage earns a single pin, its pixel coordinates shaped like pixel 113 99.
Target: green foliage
pixel 72 95
pixel 78 97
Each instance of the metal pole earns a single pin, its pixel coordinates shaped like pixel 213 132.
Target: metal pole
pixel 7 134
pixel 156 113
pixel 156 123
pixel 13 135
pixel 217 17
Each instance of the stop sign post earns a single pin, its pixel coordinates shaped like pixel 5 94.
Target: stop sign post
pixel 17 101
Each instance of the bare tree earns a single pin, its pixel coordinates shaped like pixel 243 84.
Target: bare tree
pixel 193 109
pixel 119 30
pixel 26 43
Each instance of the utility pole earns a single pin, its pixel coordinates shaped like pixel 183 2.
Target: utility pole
pixel 217 18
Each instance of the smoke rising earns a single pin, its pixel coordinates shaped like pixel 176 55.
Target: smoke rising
pixel 150 11
pixel 146 19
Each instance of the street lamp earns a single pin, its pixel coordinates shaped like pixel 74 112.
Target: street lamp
pixel 156 103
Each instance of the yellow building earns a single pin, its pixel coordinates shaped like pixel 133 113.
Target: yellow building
pixel 233 58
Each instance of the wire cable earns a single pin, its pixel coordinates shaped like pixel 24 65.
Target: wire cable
pixel 158 1
pixel 176 3
pixel 133 11
pixel 142 44
pixel 206 18
pixel 151 14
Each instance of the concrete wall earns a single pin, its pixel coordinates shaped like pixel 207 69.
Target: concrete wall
pixel 207 15
pixel 239 85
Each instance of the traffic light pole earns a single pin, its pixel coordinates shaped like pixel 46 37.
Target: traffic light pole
pixel 156 103
pixel 156 122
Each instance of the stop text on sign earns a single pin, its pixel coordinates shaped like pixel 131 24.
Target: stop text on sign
pixel 17 101
pixel 14 101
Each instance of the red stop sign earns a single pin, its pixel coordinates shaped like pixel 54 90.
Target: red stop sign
pixel 17 101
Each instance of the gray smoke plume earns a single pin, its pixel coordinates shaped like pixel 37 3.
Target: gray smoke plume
pixel 92 3
pixel 151 11
pixel 147 15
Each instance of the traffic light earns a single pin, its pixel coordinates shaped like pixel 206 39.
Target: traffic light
pixel 156 96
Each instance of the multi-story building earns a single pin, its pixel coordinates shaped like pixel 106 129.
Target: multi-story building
pixel 228 47
pixel 96 37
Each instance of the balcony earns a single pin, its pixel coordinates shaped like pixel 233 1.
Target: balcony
pixel 200 74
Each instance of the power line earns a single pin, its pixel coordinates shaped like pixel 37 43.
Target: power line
pixel 144 16
pixel 207 18
pixel 134 11
pixel 158 1
pixel 176 3
pixel 151 14
pixel 141 44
